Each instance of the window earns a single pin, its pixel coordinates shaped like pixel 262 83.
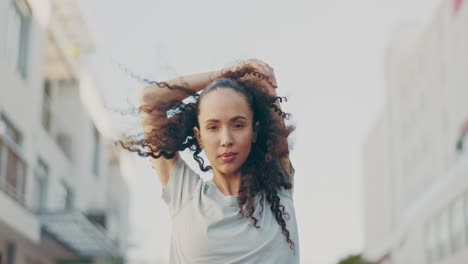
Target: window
pixel 64 142
pixel 12 165
pixel 443 233
pixel 65 197
pixel 457 224
pixel 8 129
pixel 15 174
pixel 46 106
pixel 10 253
pixel 2 158
pixel 98 219
pixel 18 35
pixel 466 217
pixel 462 142
pixel 41 176
pixel 96 151
pixel 431 241
pixel 69 199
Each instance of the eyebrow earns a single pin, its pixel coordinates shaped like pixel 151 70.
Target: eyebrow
pixel 232 119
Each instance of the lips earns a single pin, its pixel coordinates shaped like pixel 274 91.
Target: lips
pixel 228 156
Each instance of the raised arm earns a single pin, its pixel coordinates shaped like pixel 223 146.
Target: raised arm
pixel 270 83
pixel 154 94
pixel 284 161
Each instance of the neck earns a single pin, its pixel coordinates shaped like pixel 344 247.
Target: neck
pixel 228 184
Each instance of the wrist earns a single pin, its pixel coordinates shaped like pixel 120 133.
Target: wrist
pixel 214 75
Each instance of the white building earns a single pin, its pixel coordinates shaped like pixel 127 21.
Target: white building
pixel 415 164
pixel 63 186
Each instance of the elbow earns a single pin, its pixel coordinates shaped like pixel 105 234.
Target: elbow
pixel 144 95
pixel 147 96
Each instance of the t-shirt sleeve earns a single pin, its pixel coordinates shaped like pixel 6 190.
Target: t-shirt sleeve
pixel 289 192
pixel 181 186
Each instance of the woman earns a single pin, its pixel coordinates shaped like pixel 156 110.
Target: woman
pixel 237 122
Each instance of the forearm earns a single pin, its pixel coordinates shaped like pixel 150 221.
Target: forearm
pixel 282 140
pixel 194 82
pixel 153 117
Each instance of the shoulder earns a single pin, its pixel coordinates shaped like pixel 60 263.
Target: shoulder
pixel 182 185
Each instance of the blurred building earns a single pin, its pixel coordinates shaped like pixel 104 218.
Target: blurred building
pixel 63 186
pixel 415 159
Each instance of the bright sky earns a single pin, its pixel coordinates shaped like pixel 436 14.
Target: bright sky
pixel 329 60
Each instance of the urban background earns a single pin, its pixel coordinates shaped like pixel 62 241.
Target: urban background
pixel 380 101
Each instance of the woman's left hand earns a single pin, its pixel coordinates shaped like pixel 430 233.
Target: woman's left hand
pixel 260 67
pixel 266 70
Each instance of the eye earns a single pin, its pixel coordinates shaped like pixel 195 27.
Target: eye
pixel 212 128
pixel 239 125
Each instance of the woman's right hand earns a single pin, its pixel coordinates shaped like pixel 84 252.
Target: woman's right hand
pixel 259 66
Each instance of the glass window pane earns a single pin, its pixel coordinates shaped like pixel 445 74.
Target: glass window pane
pixel 437 224
pixel 69 199
pixel 431 241
pixel 10 130
pixel 96 152
pixel 12 169
pixel 61 197
pixel 18 36
pixel 457 224
pixel 65 197
pixel 445 233
pixel 11 253
pixel 64 142
pixel 13 35
pixel 46 106
pixel 40 186
pixel 15 176
pixel 466 217
pixel 24 47
pixel 1 160
pixel 21 190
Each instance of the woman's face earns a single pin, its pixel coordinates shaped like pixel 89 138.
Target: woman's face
pixel 226 129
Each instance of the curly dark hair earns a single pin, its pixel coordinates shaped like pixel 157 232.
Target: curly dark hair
pixel 261 173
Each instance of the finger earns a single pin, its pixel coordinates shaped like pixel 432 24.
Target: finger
pixel 260 67
pixel 271 76
pixel 274 81
pixel 271 82
pixel 266 70
pixel 271 70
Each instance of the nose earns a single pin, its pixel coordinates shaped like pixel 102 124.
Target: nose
pixel 226 138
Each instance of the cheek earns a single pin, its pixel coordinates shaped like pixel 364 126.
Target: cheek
pixel 245 140
pixel 209 143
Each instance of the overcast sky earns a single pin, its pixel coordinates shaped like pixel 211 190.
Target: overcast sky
pixel 329 59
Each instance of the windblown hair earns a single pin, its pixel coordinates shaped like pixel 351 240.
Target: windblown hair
pixel 262 173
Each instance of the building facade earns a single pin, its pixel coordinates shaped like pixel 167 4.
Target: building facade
pixel 64 187
pixel 415 159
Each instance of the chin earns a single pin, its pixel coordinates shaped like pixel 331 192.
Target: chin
pixel 229 169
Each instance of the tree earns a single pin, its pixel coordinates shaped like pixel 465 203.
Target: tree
pixel 355 259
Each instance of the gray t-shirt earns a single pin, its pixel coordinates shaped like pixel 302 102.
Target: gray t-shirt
pixel 206 226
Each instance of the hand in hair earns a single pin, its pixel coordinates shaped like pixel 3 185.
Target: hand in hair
pixel 260 67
